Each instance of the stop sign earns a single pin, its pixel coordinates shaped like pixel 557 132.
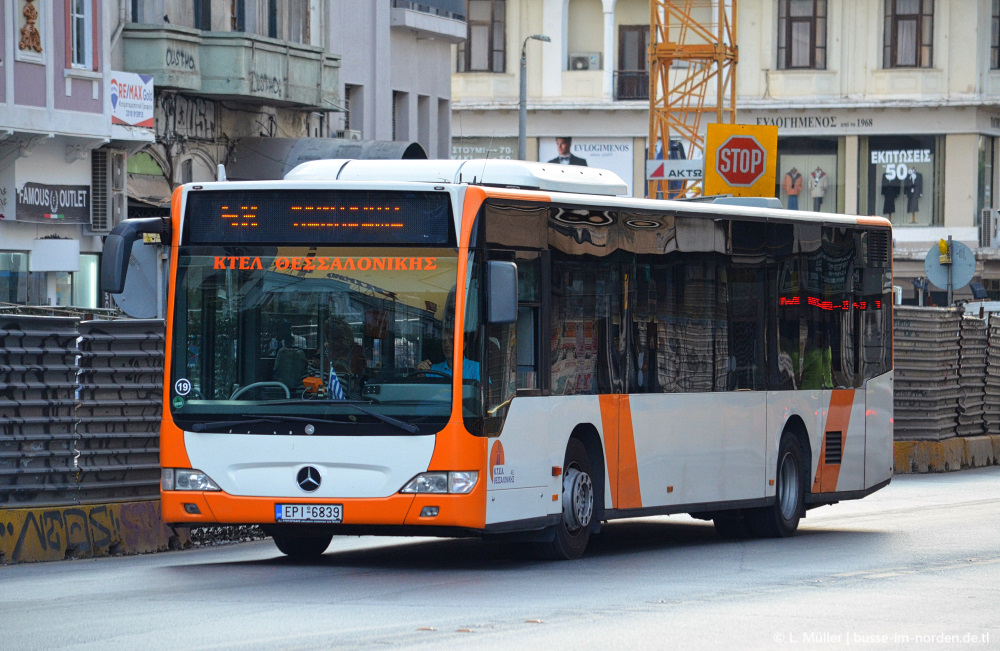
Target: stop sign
pixel 741 161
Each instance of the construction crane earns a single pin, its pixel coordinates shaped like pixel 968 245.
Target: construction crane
pixel 692 75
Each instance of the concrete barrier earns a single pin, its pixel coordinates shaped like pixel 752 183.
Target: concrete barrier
pixel 59 532
pixel 948 455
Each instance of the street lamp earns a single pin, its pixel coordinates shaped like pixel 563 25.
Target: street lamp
pixel 522 123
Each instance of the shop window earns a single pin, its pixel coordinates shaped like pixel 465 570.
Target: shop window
pixel 81 33
pixel 995 36
pixel 85 283
pixel 809 174
pixel 903 181
pixel 13 277
pixel 909 34
pixel 484 49
pixel 802 34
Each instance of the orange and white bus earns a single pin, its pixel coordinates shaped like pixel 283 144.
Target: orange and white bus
pixel 513 350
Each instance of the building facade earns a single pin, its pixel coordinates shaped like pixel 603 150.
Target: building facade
pixel 885 107
pixel 55 134
pixel 396 69
pixel 223 71
pixel 896 103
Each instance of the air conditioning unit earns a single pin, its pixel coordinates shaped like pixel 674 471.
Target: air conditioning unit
pixel 107 189
pixel 988 229
pixel 585 61
pixel 349 134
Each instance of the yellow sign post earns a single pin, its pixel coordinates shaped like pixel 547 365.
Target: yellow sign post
pixel 741 160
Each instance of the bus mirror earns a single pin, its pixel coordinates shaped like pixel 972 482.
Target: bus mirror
pixel 118 249
pixel 502 291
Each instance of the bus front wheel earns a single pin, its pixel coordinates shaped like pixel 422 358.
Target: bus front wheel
pixel 570 536
pixel 302 548
pixel 781 519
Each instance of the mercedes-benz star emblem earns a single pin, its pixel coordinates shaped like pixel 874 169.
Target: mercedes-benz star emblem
pixel 308 479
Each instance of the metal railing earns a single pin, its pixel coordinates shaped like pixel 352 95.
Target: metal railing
pixel 631 84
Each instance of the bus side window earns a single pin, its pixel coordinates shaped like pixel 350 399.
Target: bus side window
pixel 528 320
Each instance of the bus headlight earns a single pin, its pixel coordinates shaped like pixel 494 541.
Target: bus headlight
pixel 442 482
pixel 185 479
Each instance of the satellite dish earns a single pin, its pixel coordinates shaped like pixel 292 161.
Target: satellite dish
pixel 963 266
pixel 138 299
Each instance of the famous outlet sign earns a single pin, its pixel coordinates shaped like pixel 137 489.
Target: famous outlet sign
pixel 741 160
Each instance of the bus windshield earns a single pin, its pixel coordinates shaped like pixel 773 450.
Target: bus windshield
pixel 267 339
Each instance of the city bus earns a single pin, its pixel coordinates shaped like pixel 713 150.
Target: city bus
pixel 511 350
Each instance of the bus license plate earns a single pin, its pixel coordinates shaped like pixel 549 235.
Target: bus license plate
pixel 333 513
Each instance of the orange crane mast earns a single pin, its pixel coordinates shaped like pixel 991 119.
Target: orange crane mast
pixel 692 63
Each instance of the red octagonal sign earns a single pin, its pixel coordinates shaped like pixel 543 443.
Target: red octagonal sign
pixel 741 161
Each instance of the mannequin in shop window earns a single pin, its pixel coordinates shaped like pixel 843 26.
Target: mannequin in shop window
pixel 913 188
pixel 818 183
pixel 890 190
pixel 792 185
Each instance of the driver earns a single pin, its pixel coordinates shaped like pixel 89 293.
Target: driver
pixel 470 368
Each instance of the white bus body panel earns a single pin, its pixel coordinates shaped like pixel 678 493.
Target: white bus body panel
pixel 350 466
pixel 879 446
pixel 708 446
pixel 534 439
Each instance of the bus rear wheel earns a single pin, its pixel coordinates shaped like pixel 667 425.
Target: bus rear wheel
pixel 570 537
pixel 781 519
pixel 302 548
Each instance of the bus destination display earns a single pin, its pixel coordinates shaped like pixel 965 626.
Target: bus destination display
pixel 318 216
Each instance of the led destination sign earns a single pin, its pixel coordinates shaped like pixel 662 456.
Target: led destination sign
pixel 318 217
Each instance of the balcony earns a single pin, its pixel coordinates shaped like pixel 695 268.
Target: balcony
pixel 430 19
pixel 234 65
pixel 631 84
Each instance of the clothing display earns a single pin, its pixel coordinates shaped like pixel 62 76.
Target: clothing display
pixel 792 185
pixel 818 183
pixel 913 188
pixel 890 190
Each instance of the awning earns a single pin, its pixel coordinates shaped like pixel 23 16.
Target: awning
pixel 258 159
pixel 151 189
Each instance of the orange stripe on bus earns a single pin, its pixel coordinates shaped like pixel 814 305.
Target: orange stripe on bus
pixel 619 447
pixel 874 221
pixel 838 419
pixel 172 451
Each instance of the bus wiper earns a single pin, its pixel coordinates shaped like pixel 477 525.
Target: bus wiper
pixel 389 420
pixel 204 427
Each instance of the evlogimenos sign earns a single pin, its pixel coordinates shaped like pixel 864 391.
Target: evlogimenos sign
pixel 131 99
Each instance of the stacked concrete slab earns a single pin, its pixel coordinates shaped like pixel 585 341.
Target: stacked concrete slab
pixel 993 377
pixel 927 389
pixel 973 346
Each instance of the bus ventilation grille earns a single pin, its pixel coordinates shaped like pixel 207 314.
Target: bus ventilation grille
pixel 878 248
pixel 834 447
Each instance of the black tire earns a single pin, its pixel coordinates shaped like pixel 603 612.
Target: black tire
pixel 570 537
pixel 781 519
pixel 732 525
pixel 302 548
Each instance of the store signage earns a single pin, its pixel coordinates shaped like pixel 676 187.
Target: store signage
pixel 742 160
pixel 63 204
pixel 131 99
pixel 675 170
pixel 891 157
pixel 478 148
